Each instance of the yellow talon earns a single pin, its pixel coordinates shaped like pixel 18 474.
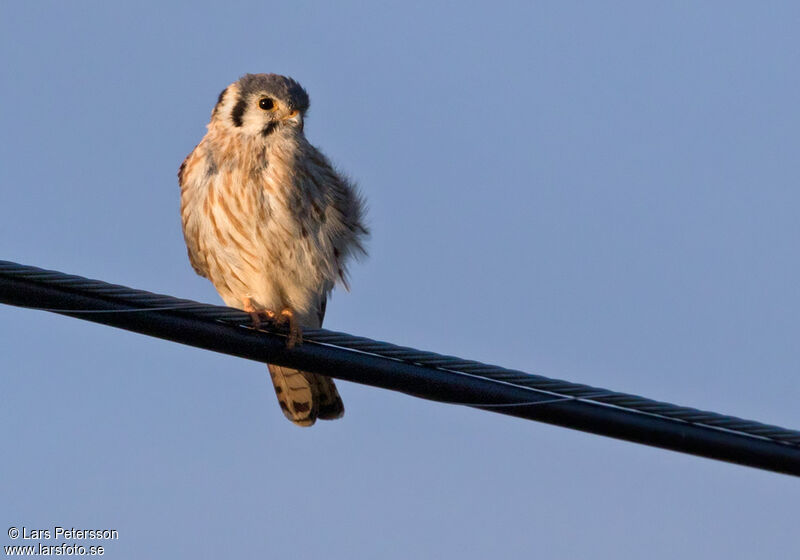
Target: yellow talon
pixel 295 331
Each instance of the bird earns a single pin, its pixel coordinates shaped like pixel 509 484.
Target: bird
pixel 271 223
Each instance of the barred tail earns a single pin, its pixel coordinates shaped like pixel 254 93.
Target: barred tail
pixel 305 396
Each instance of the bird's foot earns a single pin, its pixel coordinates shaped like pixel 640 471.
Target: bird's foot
pixel 256 315
pixel 285 319
pixel 288 319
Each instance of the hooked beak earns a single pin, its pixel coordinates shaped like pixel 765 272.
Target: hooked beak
pixel 296 118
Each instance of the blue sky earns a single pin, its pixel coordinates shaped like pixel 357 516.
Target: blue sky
pixel 600 192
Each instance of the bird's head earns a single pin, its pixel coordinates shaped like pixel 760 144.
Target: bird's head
pixel 260 105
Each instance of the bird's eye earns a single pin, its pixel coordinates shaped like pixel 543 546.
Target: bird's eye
pixel 266 103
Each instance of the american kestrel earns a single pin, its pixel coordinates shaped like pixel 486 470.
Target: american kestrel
pixel 271 223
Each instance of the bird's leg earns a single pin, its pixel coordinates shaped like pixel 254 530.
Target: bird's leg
pixel 287 317
pixel 255 314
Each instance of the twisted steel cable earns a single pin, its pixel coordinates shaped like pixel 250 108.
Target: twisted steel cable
pixel 550 395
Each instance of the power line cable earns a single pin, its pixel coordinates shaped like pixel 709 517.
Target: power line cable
pixel 423 374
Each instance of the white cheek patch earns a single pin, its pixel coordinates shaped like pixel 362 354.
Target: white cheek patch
pixel 247 117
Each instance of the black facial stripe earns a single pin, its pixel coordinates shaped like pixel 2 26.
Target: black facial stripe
pixel 219 101
pixel 238 112
pixel 269 129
